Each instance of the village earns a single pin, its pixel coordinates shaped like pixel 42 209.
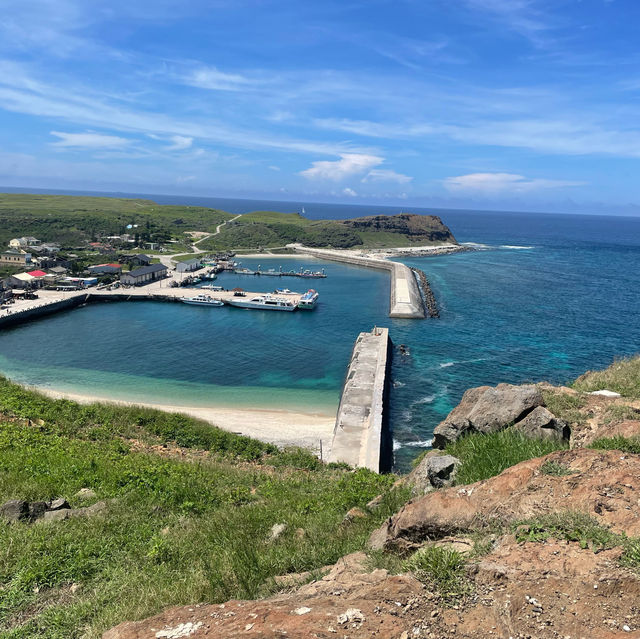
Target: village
pixel 38 270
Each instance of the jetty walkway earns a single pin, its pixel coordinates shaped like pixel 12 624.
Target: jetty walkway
pixel 405 299
pixel 49 302
pixel 360 436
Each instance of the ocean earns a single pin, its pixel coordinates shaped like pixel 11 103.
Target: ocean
pixel 543 297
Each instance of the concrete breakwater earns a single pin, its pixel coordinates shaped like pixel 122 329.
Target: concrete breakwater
pixel 40 308
pixel 361 437
pixel 405 299
pixel 427 294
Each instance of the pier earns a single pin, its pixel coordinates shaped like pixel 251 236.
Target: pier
pixel 360 438
pixel 405 299
pixel 49 302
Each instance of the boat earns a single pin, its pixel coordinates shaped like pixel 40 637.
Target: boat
pixel 284 291
pixel 212 287
pixel 265 302
pixel 202 300
pixel 243 271
pixel 271 271
pixel 308 273
pixel 308 300
pixel 209 276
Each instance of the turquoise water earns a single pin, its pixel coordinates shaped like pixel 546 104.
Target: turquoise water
pixel 545 297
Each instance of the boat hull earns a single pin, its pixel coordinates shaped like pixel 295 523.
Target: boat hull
pixel 259 306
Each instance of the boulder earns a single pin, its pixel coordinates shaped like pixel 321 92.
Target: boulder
pixel 487 410
pixel 353 514
pixel 441 470
pixel 543 424
pixel 37 509
pixel 14 510
pixel 276 531
pixel 56 515
pixel 418 478
pixel 86 494
pixel 59 504
pixel 603 484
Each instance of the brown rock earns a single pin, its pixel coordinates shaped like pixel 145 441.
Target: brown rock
pixel 487 410
pixel 543 424
pixel 353 514
pixel 14 510
pixel 603 484
pixel 346 593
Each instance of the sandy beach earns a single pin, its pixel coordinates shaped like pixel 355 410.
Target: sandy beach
pixel 280 427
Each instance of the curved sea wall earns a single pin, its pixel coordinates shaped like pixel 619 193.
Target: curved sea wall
pixel 405 299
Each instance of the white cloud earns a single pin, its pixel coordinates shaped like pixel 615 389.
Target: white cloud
pixel 386 175
pixel 179 143
pixel 273 167
pixel 348 165
pixel 215 80
pixel 349 192
pixel 89 140
pixel 501 183
pixel 185 178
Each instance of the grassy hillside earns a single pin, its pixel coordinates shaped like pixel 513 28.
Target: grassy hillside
pixel 266 229
pixel 182 524
pixel 71 219
pixel 623 376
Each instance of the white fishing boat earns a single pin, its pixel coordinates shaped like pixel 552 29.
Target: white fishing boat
pixel 308 300
pixel 202 300
pixel 264 302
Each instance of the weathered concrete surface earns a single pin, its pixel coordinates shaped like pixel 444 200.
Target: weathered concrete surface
pixel 358 437
pixel 405 300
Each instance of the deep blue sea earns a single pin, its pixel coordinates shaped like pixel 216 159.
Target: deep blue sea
pixel 544 297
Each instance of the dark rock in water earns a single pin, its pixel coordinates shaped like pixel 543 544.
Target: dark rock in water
pixel 487 410
pixel 37 509
pixel 421 228
pixel 59 504
pixel 542 423
pixel 14 510
pixel 442 469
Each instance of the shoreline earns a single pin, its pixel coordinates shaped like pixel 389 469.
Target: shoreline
pixel 280 427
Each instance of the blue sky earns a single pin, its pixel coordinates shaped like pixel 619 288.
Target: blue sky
pixel 524 104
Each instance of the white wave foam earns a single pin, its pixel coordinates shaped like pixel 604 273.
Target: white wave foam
pixel 427 399
pixel 397 384
pixel 476 245
pixel 423 443
pixel 512 246
pixel 447 364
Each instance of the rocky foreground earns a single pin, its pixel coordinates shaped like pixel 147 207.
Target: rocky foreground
pixel 549 543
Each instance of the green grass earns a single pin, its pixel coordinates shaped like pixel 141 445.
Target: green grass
pixel 103 422
pixel 620 413
pixel 176 532
pixel 569 526
pixel 487 455
pixel 623 376
pixel 72 219
pixel 441 568
pixel 624 444
pixel 565 406
pixel 556 469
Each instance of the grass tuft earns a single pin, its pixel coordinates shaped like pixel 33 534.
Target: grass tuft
pixel 569 526
pixel 487 455
pixel 623 376
pixel 441 568
pixel 565 406
pixel 554 468
pixel 623 444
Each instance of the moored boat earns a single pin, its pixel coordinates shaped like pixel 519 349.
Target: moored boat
pixel 202 300
pixel 308 300
pixel 264 302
